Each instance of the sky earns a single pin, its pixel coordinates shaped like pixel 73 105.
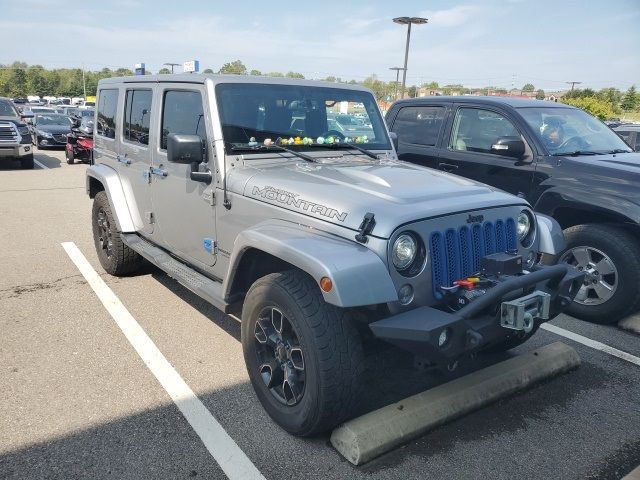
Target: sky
pixel 500 43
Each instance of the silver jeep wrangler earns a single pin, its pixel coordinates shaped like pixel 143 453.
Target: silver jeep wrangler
pixel 284 199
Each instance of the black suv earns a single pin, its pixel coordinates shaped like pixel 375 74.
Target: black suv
pixel 565 162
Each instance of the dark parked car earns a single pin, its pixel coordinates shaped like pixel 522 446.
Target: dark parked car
pixel 630 133
pixel 565 162
pixel 50 129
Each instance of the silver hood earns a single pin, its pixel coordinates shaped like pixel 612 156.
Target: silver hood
pixel 343 192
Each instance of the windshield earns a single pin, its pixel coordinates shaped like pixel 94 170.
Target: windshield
pixel 299 116
pixel 54 119
pixel 7 110
pixel 571 130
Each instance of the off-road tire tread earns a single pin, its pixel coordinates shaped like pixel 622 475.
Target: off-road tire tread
pixel 26 162
pixel 125 260
pixel 339 348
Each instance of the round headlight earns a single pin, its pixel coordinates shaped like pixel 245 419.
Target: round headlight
pixel 524 225
pixel 404 251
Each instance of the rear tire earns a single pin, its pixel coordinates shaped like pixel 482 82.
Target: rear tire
pixel 115 257
pixel 328 349
pixel 70 157
pixel 601 249
pixel 27 162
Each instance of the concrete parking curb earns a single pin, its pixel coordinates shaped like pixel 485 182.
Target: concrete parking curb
pixel 633 475
pixel 366 437
pixel 631 323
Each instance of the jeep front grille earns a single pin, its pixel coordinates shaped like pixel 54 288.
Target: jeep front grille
pixel 456 253
pixel 9 133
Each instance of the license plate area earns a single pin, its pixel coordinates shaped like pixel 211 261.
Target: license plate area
pixel 519 314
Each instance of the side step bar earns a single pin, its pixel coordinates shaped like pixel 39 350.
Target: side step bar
pixel 201 285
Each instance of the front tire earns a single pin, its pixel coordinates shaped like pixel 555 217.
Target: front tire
pixel 611 258
pixel 26 162
pixel 70 156
pixel 115 257
pixel 304 357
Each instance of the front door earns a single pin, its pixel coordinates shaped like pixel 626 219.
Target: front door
pixel 468 152
pixel 183 209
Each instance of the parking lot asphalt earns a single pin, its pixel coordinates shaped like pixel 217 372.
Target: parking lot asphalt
pixel 76 400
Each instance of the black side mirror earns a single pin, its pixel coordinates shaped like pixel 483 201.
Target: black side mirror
pixel 394 139
pixel 188 149
pixel 184 148
pixel 509 147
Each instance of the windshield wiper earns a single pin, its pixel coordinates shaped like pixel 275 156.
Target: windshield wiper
pixel 575 153
pixel 368 153
pixel 619 150
pixel 275 148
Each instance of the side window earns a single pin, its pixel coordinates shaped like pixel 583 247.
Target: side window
pixel 419 125
pixel 137 113
pixel 475 130
pixel 182 113
pixel 107 107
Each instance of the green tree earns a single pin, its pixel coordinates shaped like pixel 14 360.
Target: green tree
pixel 630 99
pixel 540 94
pixel 412 91
pixel 528 88
pixel 275 74
pixel 165 71
pixel 207 70
pixel 593 105
pixel 380 89
pixel 330 78
pixel 431 85
pixel 294 75
pixel 255 73
pixel 234 68
pixel 36 80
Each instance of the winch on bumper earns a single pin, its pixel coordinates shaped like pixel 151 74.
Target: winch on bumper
pixel 511 302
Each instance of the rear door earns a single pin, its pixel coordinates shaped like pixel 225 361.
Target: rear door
pixel 467 151
pixel 419 128
pixel 183 209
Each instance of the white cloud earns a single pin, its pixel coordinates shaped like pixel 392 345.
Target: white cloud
pixel 451 17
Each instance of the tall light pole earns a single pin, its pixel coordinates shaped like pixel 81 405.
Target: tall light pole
pixel 397 69
pixel 171 65
pixel 408 21
pixel 573 84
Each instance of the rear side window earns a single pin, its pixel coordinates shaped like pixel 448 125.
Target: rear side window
pixel 137 112
pixel 107 106
pixel 182 113
pixel 419 125
pixel 7 110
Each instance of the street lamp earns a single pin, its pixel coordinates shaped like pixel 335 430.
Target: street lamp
pixel 397 69
pixel 408 21
pixel 171 65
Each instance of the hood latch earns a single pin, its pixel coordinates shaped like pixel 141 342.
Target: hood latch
pixel 368 222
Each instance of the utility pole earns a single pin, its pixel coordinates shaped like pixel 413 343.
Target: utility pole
pixel 84 84
pixel 573 84
pixel 397 69
pixel 171 65
pixel 407 21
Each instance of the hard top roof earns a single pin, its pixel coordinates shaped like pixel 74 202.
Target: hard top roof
pixel 514 102
pixel 216 78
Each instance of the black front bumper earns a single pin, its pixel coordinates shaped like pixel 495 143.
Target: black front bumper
pixel 476 326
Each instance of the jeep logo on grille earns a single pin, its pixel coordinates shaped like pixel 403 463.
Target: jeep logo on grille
pixel 475 218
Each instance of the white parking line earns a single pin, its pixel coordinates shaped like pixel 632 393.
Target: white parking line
pixel 591 343
pixel 232 460
pixel 40 164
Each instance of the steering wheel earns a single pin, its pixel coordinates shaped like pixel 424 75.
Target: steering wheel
pixel 579 142
pixel 333 133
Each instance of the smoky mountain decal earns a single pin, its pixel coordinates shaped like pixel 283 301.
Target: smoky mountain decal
pixel 289 198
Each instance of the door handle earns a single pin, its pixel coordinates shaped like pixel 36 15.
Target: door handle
pixel 447 167
pixel 123 159
pixel 159 172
